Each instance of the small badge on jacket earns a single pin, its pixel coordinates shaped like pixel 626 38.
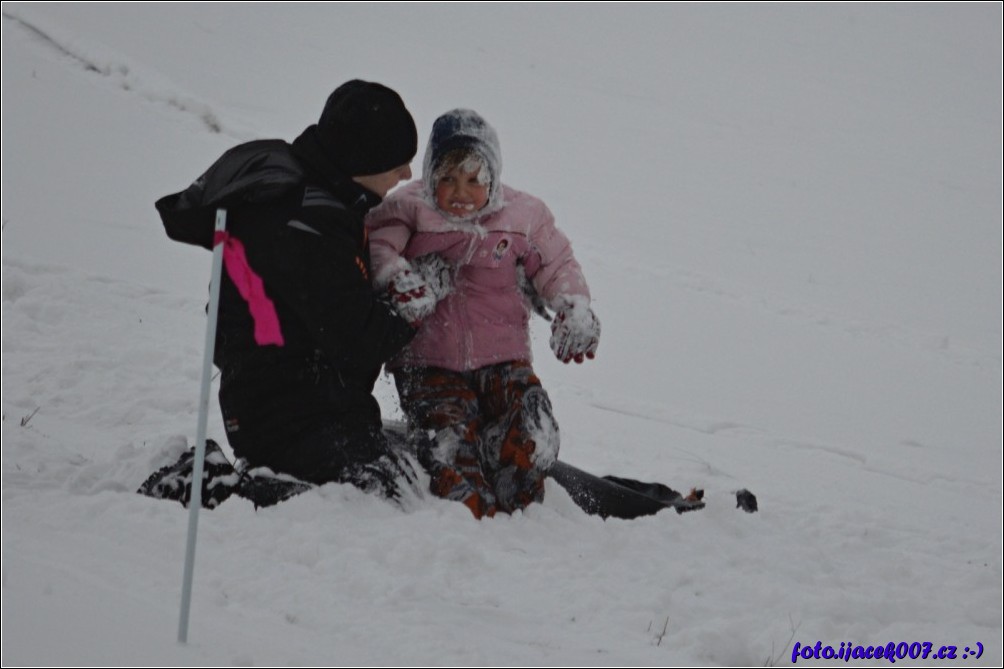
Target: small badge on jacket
pixel 501 249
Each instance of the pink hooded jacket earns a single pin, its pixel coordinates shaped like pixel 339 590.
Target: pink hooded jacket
pixel 485 318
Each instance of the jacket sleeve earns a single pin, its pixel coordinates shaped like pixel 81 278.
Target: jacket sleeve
pixel 553 269
pixel 324 281
pixel 389 230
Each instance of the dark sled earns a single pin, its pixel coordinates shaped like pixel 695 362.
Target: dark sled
pixel 615 497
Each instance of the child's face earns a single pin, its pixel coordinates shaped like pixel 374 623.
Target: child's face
pixel 460 192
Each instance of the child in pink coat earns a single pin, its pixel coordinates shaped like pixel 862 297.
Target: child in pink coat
pixel 463 255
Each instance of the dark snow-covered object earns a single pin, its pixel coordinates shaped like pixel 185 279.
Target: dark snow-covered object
pixel 616 497
pixel 746 501
pixel 220 480
pixel 175 481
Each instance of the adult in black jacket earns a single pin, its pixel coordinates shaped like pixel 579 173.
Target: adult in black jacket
pixel 301 336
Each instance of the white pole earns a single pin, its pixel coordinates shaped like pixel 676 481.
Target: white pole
pixel 195 502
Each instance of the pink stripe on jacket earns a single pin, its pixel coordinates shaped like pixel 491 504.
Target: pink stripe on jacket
pixel 267 330
pixel 485 319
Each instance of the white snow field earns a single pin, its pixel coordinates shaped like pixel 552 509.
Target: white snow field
pixel 790 217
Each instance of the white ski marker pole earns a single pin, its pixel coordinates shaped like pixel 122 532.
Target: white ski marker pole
pixel 195 503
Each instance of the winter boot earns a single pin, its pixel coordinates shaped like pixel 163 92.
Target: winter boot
pixel 263 487
pixel 175 481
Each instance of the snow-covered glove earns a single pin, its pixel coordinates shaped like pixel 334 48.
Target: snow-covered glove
pixel 416 289
pixel 437 273
pixel 575 332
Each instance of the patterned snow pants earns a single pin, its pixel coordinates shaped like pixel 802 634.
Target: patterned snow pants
pixel 491 434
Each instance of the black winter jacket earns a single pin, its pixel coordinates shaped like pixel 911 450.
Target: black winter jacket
pixel 301 337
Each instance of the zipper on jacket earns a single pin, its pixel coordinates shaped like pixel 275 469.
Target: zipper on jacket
pixel 467 341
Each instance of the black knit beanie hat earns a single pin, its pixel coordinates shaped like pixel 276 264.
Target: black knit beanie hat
pixel 366 129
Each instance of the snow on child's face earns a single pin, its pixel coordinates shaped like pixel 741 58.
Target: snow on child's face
pixel 462 190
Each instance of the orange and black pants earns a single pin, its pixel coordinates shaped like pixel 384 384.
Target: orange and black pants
pixel 493 434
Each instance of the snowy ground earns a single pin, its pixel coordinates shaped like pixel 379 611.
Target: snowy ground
pixel 790 216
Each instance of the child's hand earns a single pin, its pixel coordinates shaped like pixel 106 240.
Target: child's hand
pixel 437 273
pixel 575 333
pixel 415 291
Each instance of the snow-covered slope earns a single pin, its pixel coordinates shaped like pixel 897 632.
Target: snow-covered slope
pixel 790 217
